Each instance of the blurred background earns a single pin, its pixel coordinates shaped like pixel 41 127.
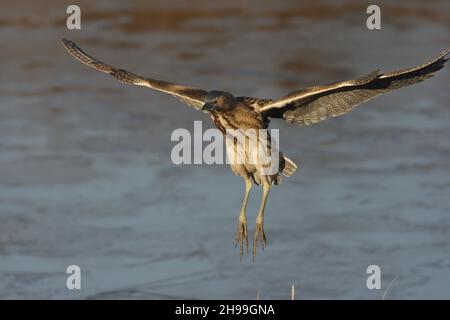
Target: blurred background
pixel 86 176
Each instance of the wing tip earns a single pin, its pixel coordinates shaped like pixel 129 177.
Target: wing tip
pixel 67 43
pixel 443 56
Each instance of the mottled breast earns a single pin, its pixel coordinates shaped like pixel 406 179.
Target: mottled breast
pixel 241 117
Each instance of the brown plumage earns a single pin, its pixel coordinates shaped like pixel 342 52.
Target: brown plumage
pixel 242 114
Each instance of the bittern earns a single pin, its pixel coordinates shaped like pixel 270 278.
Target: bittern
pixel 303 107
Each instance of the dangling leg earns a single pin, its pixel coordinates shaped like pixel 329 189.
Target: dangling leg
pixel 242 233
pixel 259 228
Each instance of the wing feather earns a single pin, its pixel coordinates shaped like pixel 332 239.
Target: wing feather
pixel 315 104
pixel 191 96
pixel 254 103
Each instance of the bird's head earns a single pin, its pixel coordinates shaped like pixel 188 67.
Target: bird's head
pixel 219 101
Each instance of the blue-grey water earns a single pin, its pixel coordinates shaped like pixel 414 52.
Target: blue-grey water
pixel 86 176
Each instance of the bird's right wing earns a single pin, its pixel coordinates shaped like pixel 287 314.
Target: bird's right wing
pixel 191 96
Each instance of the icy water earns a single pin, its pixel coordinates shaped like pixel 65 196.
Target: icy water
pixel 86 176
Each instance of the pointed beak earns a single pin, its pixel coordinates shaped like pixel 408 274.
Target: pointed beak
pixel 208 106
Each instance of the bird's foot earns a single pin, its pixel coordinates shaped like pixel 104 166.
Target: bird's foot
pixel 260 236
pixel 242 235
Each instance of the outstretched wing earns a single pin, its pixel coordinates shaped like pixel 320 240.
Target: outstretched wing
pixel 315 104
pixel 255 103
pixel 191 96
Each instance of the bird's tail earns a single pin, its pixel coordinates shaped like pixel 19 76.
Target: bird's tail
pixel 289 167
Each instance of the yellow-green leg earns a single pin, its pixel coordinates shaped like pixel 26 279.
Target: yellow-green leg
pixel 259 228
pixel 242 233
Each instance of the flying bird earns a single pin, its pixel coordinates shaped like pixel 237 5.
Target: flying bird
pixel 304 107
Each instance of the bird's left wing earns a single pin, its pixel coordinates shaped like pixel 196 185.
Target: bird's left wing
pixel 191 96
pixel 316 104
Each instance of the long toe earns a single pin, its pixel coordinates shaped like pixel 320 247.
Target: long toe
pixel 241 237
pixel 259 236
